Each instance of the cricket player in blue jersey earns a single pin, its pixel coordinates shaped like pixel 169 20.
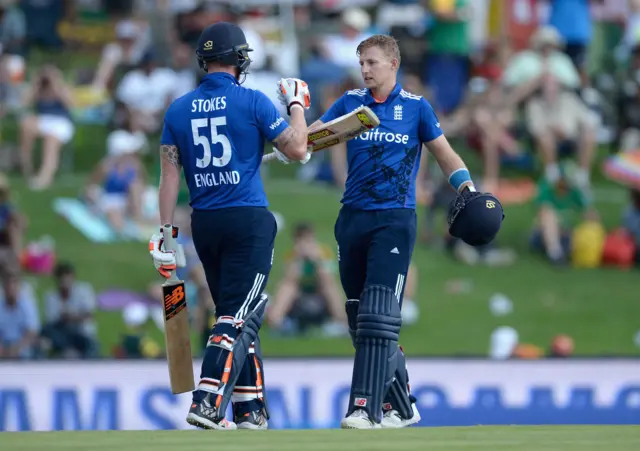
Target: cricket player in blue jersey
pixel 376 229
pixel 215 135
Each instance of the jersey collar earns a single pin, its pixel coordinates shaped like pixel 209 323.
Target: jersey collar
pixel 219 78
pixel 394 93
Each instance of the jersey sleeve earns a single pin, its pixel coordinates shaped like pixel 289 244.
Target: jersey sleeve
pixel 335 111
pixel 269 120
pixel 168 138
pixel 429 128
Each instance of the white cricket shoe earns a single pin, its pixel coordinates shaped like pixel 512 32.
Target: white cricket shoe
pixel 359 419
pixel 392 419
pixel 256 421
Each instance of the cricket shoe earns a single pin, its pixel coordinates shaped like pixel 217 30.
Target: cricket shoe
pixel 254 420
pixel 204 416
pixel 359 419
pixel 392 419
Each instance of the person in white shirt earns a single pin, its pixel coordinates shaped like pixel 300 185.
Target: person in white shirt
pixel 341 48
pixel 132 39
pixel 546 81
pixel 147 92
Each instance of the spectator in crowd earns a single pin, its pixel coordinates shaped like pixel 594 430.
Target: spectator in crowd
pixel 308 295
pixel 321 74
pixel 546 80
pixel 487 119
pixel 147 91
pixel 447 68
pixel 12 225
pixel 406 21
pixel 556 203
pixel 561 347
pixel 341 48
pixel 19 320
pixel 132 40
pixel 264 78
pixel 186 79
pixel 628 104
pixel 51 100
pixel 572 19
pixel 631 29
pixel 631 220
pixel 135 342
pixel 13 28
pixel 70 329
pixel 117 185
pixel 43 18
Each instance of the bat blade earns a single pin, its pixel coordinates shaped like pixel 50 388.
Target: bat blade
pixel 177 337
pixel 341 129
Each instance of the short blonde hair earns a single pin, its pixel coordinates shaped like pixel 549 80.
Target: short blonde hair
pixel 387 43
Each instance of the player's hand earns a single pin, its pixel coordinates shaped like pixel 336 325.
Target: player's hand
pixel 164 260
pixel 293 91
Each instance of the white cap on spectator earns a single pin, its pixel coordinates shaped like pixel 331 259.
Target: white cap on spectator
pixel 546 35
pixel 127 29
pixel 503 342
pixel 356 18
pixel 135 314
pixel 122 142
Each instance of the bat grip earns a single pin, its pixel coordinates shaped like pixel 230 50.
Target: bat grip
pixel 268 157
pixel 169 241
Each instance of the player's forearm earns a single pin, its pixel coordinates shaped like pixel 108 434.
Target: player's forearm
pixel 450 163
pixel 167 199
pixel 169 183
pixel 293 141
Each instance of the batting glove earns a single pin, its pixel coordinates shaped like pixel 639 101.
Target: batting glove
pixel 293 91
pixel 286 160
pixel 164 260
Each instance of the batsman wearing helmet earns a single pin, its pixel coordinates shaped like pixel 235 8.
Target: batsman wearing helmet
pixel 215 135
pixel 376 229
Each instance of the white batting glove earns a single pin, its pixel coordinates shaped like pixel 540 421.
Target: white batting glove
pixel 293 91
pixel 164 260
pixel 286 160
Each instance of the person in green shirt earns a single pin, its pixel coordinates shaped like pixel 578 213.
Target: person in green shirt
pixel 558 205
pixel 449 47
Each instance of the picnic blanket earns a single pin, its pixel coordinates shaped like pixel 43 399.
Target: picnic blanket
pixel 93 224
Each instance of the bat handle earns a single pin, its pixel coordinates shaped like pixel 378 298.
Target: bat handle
pixel 169 241
pixel 268 157
pixel 170 245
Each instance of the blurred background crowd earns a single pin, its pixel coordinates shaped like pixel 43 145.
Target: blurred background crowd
pixel 541 97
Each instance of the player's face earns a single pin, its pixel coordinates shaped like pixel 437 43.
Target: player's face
pixel 377 68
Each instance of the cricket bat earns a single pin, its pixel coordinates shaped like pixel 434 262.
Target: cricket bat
pixel 341 129
pixel 176 326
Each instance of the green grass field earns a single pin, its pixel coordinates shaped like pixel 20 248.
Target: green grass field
pixel 512 438
pixel 599 308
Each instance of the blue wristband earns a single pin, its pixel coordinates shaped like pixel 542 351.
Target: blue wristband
pixel 459 177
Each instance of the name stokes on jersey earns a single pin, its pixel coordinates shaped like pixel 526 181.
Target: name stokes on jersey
pixel 212 178
pixel 208 105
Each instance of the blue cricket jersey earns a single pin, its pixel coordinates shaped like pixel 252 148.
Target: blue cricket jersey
pixel 220 130
pixel 383 162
